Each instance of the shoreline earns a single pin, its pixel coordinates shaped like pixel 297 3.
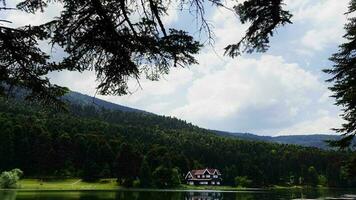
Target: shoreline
pixel 110 185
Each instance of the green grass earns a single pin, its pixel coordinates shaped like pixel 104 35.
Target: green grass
pixel 68 184
pixel 111 184
pixel 103 184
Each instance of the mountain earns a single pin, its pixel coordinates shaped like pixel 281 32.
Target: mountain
pixel 76 98
pixel 93 143
pixel 82 99
pixel 312 140
pixel 317 140
pixel 244 136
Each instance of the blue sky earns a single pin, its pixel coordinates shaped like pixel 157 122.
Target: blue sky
pixel 276 93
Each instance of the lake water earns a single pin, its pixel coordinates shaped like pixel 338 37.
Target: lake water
pixel 179 195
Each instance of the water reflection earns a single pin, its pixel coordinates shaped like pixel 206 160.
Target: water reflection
pixel 7 195
pixel 178 195
pixel 203 196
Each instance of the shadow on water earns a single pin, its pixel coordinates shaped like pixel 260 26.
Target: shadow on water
pixel 169 195
pixel 203 196
pixel 7 195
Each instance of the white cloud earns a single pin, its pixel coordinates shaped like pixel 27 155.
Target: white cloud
pixel 323 21
pixel 86 83
pixel 253 94
pixel 317 12
pixel 172 12
pixel 318 39
pixel 321 124
pixel 227 28
pixel 265 95
pixel 168 85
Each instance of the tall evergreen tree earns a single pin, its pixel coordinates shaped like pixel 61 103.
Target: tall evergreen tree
pixel 344 80
pixel 145 174
pixel 312 176
pixel 128 165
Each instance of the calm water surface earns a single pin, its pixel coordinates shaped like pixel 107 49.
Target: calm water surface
pixel 178 195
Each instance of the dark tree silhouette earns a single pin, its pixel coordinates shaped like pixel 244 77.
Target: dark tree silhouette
pixel 23 64
pixel 344 79
pixel 119 40
pixel 128 164
pixel 265 16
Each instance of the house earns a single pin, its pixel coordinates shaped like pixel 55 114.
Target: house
pixel 203 177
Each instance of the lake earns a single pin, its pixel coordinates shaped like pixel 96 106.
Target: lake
pixel 179 195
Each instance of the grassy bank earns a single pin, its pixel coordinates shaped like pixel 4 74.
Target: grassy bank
pixel 68 184
pixel 111 184
pixel 105 184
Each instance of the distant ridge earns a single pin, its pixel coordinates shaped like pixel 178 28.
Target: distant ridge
pixel 311 140
pixel 82 99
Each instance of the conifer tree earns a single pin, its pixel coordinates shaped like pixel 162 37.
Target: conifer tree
pixel 119 40
pixel 344 80
pixel 145 174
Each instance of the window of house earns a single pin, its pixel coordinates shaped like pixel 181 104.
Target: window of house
pixel 207 176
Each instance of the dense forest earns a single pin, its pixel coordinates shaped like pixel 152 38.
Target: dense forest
pixel 149 150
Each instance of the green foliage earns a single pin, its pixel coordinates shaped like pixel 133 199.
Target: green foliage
pixel 91 171
pixel 146 180
pixel 136 183
pixel 351 167
pixel 92 143
pixel 128 164
pixel 9 179
pixel 242 181
pixel 175 178
pixel 165 177
pixel 322 180
pixel 344 82
pixel 312 177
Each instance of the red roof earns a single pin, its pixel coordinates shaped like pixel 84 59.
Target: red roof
pixel 202 171
pixel 195 174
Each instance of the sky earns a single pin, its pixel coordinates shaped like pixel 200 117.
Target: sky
pixel 280 92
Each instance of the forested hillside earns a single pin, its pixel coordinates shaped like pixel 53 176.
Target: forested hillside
pixel 313 140
pixel 304 140
pixel 82 99
pixel 155 151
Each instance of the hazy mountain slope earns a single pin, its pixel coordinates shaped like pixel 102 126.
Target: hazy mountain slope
pixel 245 136
pixel 315 140
pixel 82 99
pixel 304 140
